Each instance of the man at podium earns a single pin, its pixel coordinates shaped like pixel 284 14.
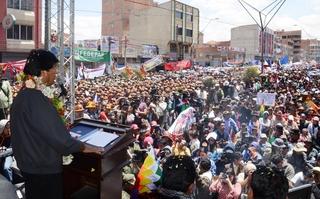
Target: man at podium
pixel 39 136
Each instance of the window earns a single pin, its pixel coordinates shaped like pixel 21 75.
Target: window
pixel 179 30
pixel 29 33
pixel 189 17
pixel 10 3
pixel 188 33
pixel 16 31
pixel 26 4
pixel 179 15
pixel 10 33
pixel 186 49
pixel 21 32
pixel 20 4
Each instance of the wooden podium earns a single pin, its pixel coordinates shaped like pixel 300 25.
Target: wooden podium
pixel 94 176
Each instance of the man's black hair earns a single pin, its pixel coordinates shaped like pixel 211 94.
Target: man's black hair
pixel 179 172
pixel 205 164
pixel 269 183
pixel 38 60
pixel 276 159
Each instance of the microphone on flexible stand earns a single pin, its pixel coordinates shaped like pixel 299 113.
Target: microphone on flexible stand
pixel 64 91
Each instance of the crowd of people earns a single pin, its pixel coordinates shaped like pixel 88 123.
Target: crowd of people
pixel 231 147
pixel 231 136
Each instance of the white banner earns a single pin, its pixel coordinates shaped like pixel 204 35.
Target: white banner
pixel 152 63
pixel 89 73
pixel 267 99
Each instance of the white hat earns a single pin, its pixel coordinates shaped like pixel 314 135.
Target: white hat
pixel 263 135
pixel 299 147
pixel 3 124
pixel 212 135
pixel 290 117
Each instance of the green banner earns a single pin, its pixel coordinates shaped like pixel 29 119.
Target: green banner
pixel 91 55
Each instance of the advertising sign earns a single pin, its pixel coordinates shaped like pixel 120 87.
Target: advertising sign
pixel 114 44
pixel 91 55
pixel 149 51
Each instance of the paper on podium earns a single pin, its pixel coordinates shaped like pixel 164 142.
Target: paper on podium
pixel 100 138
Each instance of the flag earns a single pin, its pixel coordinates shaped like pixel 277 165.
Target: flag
pixel 143 71
pixel 262 109
pixel 183 122
pixel 284 60
pixel 149 175
pixel 129 71
pixel 312 105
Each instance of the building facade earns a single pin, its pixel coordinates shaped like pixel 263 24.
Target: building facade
pixel 250 38
pixel 216 53
pixel 290 40
pixel 25 34
pixel 172 26
pixel 116 15
pixel 310 50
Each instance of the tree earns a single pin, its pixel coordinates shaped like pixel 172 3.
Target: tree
pixel 250 74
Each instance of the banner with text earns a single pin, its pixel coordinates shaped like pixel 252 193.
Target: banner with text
pixel 91 55
pixel 152 63
pixel 267 99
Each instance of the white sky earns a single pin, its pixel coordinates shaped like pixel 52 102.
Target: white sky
pixel 218 16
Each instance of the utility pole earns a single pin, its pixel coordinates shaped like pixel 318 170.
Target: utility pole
pixel 125 50
pixel 47 24
pixel 263 24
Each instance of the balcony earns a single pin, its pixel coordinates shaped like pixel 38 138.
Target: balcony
pixel 22 16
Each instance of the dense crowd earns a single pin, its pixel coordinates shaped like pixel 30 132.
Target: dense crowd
pixel 231 136
pixel 230 147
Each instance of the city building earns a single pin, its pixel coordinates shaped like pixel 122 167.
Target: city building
pixel 291 41
pixel 310 50
pixel 115 15
pixel 171 26
pixel 17 41
pixel 216 53
pixel 250 38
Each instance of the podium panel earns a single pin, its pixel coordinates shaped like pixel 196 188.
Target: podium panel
pixel 97 176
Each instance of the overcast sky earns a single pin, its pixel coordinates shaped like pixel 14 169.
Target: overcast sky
pixel 217 17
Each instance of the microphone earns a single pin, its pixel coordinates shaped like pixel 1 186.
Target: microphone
pixel 60 83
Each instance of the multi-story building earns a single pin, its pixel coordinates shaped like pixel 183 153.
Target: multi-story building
pixel 115 15
pixel 292 41
pixel 215 53
pixel 172 26
pixel 310 50
pixel 250 38
pixel 25 34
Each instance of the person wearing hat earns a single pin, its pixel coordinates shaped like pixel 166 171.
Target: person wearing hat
pixel 92 110
pixel 298 159
pixel 313 127
pixel 315 190
pixel 39 136
pixel 283 166
pixel 263 143
pixel 303 123
pixel 265 123
pixel 255 156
